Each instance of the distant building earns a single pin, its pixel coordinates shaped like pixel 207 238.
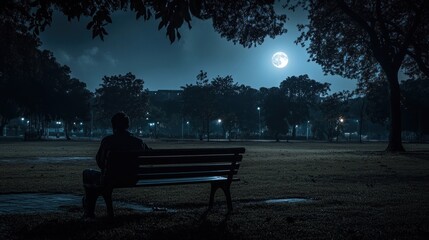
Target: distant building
pixel 166 95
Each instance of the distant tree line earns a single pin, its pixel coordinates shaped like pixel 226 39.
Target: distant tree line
pixel 371 41
pixel 33 84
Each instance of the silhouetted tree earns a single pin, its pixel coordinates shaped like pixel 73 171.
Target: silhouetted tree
pixel 157 117
pixel 74 99
pixel 121 93
pixel 243 22
pixel 52 95
pixel 167 111
pixel 357 106
pixel 246 111
pixel 333 109
pixel 33 83
pixel 8 111
pixel 376 107
pixel 226 99
pixel 301 94
pixel 199 103
pixel 45 87
pixel 416 106
pixel 276 112
pixel 354 39
pixel 18 51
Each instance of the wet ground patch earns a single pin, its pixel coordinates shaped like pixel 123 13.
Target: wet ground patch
pixel 288 200
pixel 47 159
pixel 27 203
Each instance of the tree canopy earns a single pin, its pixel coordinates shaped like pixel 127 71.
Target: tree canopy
pixel 121 93
pixel 276 112
pixel 33 84
pixel 243 22
pixel 301 93
pixel 416 106
pixel 360 39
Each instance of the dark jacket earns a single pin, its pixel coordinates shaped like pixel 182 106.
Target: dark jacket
pixel 120 140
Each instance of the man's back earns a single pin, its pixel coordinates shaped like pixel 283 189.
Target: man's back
pixel 116 172
pixel 120 141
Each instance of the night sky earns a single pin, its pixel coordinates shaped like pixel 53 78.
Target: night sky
pixel 137 46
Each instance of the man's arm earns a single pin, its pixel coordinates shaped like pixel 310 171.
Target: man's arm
pixel 145 147
pixel 101 155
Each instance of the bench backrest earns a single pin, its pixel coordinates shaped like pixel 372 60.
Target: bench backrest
pixel 126 168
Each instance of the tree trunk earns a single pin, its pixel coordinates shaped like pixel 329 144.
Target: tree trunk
pixel 361 120
pixel 395 139
pixel 208 129
pixel 66 130
pixel 294 131
pixel 420 132
pixel 3 123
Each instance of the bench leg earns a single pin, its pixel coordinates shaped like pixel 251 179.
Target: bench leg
pixel 107 195
pixel 228 197
pixel 212 194
pixel 226 190
pixel 89 201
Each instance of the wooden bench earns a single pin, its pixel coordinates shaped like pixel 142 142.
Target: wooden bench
pixel 160 167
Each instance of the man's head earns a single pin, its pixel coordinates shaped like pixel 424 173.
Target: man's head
pixel 120 121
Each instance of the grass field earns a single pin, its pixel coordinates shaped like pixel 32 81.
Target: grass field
pixel 358 192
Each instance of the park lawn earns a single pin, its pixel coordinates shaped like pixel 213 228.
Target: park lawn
pixel 357 190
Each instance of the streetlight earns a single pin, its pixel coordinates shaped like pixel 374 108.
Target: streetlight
pixel 22 121
pixel 152 132
pixel 308 122
pixel 341 119
pixel 259 120
pixel 219 122
pixel 359 131
pixel 57 131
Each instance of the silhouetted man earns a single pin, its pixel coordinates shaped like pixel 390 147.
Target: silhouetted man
pixel 121 139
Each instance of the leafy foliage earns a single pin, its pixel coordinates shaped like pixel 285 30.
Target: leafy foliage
pixel 301 93
pixel 333 108
pixel 34 84
pixel 121 93
pixel 416 106
pixel 377 96
pixel 243 22
pixel 74 99
pixel 356 39
pixel 220 98
pixel 18 51
pixel 276 112
pixel 226 98
pixel 246 109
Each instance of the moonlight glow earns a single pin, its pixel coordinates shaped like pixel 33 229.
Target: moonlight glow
pixel 280 59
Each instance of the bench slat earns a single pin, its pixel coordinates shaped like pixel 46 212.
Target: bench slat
pixel 183 151
pixel 180 181
pixel 190 168
pixel 187 174
pixel 151 160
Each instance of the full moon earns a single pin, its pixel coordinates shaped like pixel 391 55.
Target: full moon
pixel 280 59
